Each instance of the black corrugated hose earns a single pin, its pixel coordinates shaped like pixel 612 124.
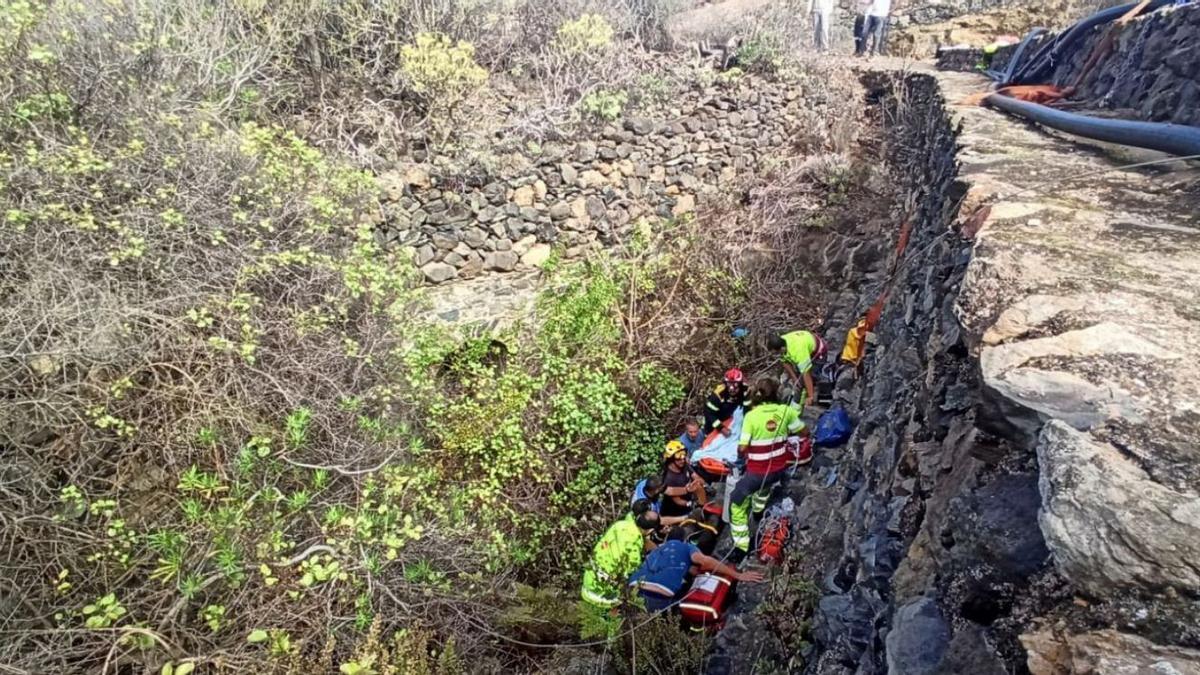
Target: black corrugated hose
pixel 1176 139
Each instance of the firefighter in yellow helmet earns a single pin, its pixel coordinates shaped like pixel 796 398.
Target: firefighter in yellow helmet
pixel 683 490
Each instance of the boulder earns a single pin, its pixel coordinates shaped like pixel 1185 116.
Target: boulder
pixel 592 178
pixel 524 244
pixel 1018 396
pixel 417 176
pixel 474 237
pixel 471 268
pixel 560 211
pixel 640 125
pixel 1105 652
pixel 392 184
pixel 523 196
pixel 423 254
pixel 536 255
pixel 502 261
pixel 685 204
pixel 917 639
pixel 595 208
pixel 579 209
pixel 569 174
pixel 436 272
pixel 1108 525
pixel 585 151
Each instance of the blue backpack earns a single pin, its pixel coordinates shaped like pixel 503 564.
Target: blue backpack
pixel 833 427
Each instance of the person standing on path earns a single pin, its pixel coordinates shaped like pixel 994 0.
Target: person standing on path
pixel 822 13
pixel 860 27
pixel 877 19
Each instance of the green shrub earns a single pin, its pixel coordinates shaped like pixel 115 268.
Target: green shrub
pixel 762 54
pixel 588 33
pixel 604 105
pixel 440 71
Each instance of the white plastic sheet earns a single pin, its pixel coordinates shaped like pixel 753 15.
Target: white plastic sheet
pixel 722 447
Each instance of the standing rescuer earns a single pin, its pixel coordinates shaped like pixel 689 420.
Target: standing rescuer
pixel 770 442
pixel 798 350
pixel 616 556
pixel 723 401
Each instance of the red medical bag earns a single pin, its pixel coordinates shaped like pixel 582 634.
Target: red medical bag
pixel 705 603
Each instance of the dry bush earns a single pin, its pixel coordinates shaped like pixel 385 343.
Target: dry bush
pixel 226 440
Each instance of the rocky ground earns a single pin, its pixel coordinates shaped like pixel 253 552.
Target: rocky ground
pixel 1018 493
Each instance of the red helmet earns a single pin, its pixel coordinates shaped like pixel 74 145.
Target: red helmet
pixel 822 348
pixel 733 375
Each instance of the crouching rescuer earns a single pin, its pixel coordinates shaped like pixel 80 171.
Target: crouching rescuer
pixel 661 580
pixel 770 443
pixel 616 556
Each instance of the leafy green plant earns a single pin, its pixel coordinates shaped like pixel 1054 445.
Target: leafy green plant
pixel 604 105
pixel 184 668
pixel 590 32
pixel 442 72
pixel 279 641
pixel 104 612
pixel 213 616
pixel 761 53
pixel 170 546
pixel 205 484
pixel 320 569
pixel 296 427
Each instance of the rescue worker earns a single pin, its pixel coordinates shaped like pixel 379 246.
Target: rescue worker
pixel 617 555
pixel 649 489
pixel 681 487
pixel 798 350
pixel 723 401
pixel 662 579
pixel 769 444
pixel 691 437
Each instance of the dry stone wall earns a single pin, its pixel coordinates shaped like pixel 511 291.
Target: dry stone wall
pixel 588 193
pixel 1152 72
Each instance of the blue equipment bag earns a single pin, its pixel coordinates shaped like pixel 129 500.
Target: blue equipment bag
pixel 833 427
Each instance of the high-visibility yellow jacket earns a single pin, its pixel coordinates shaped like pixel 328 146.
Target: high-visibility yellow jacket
pixel 765 430
pixel 616 556
pixel 799 348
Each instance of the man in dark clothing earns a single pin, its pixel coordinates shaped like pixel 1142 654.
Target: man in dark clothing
pixel 680 487
pixel 723 401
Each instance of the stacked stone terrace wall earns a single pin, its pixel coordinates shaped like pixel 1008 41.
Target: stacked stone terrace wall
pixel 589 192
pixel 1153 71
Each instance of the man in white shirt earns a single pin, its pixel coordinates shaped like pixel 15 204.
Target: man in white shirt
pixel 877 18
pixel 822 13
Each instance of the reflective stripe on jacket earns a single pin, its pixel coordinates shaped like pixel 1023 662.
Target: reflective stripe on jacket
pixel 765 430
pixel 616 556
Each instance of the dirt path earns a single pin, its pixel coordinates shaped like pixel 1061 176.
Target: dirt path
pixel 713 21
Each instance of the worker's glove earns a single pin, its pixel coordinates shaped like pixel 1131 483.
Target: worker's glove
pixel 740 465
